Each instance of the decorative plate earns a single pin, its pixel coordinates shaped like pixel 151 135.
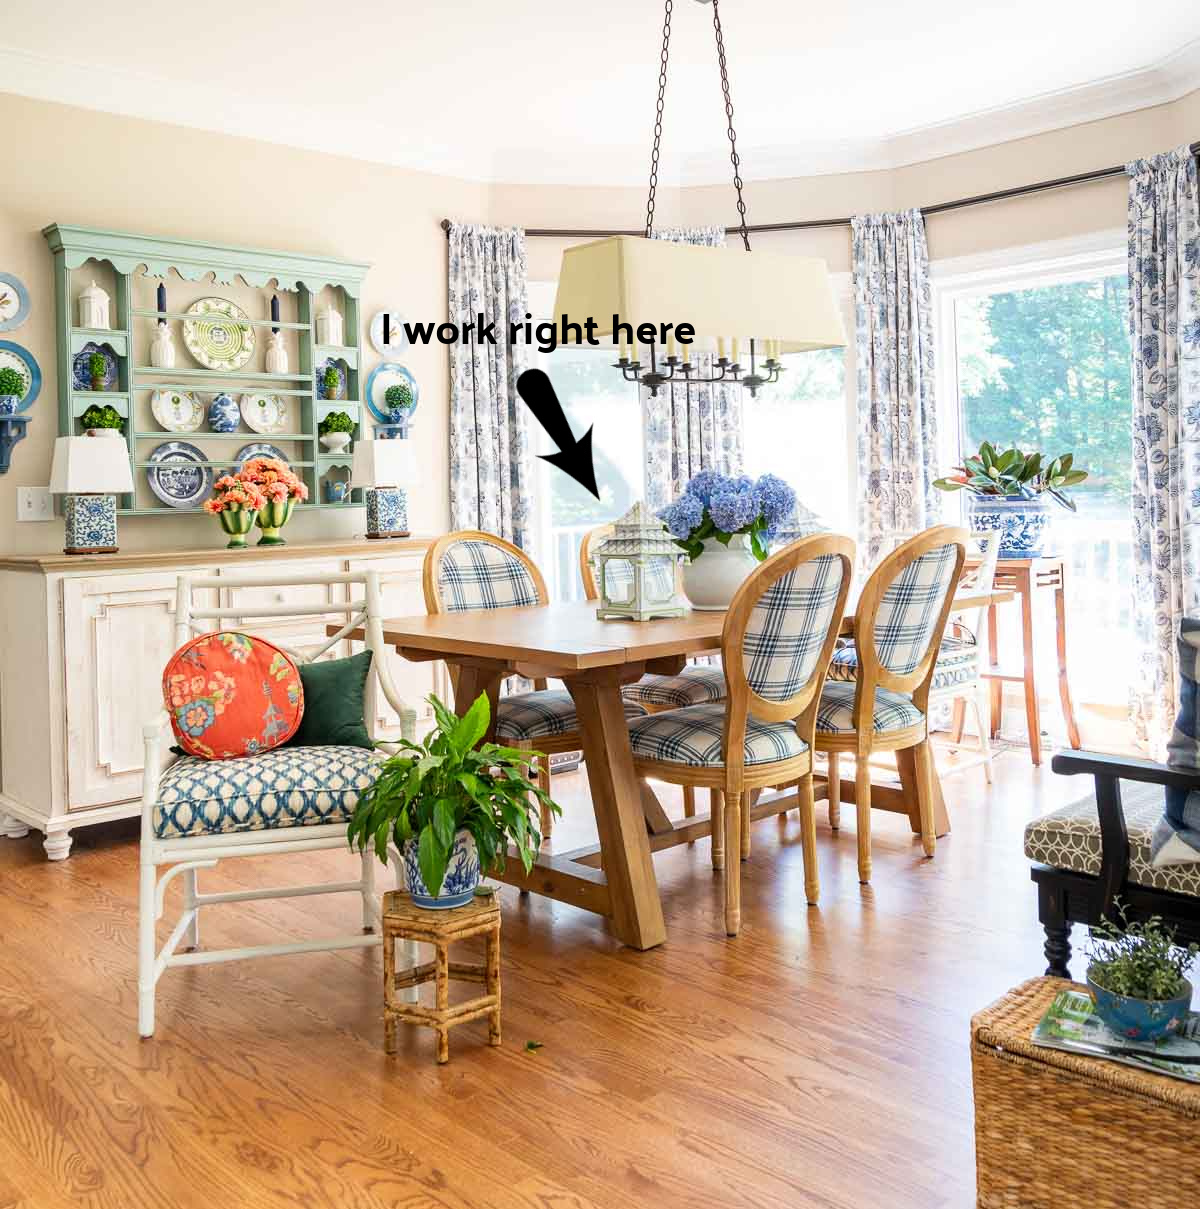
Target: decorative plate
pixel 177 410
pixel 215 341
pixel 385 374
pixel 264 413
pixel 18 357
pixel 178 476
pixel 14 302
pixel 398 341
pixel 81 371
pixel 340 369
pixel 258 449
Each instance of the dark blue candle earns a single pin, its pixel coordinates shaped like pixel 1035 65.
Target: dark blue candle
pixel 274 310
pixel 162 298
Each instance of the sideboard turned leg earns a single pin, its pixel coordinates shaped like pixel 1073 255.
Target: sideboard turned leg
pixel 57 845
pixel 12 827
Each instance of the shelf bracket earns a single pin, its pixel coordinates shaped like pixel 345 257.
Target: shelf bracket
pixel 12 430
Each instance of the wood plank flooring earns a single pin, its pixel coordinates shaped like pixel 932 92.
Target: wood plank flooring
pixel 820 1059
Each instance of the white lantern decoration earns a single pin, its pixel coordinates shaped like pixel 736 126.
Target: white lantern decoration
pixel 329 327
pixel 93 307
pixel 637 570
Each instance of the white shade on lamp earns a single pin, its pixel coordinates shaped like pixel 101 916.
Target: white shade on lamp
pixel 90 466
pixel 382 463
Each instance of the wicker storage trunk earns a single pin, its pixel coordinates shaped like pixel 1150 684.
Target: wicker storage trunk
pixel 1056 1130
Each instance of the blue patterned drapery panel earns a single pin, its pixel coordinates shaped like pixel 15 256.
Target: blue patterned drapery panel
pixel 1164 328
pixel 491 466
pixel 897 426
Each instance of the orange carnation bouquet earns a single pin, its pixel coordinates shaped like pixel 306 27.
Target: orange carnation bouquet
pixel 280 489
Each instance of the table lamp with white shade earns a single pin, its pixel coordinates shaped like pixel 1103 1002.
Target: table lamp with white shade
pixel 91 472
pixel 380 467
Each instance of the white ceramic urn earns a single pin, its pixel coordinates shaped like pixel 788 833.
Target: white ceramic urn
pixel 712 580
pixel 329 327
pixel 93 307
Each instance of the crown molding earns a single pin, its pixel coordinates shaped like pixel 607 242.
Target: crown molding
pixel 309 127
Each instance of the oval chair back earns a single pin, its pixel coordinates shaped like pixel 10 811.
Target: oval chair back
pixel 469 570
pixel 902 615
pixel 778 639
pixel 587 569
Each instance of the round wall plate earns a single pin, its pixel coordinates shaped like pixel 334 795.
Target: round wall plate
pixel 18 357
pixel 384 375
pixel 397 341
pixel 14 302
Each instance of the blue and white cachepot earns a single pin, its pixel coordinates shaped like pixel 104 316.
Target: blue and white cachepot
pixel 1141 1019
pixel 462 875
pixel 223 413
pixel 387 511
pixel 9 404
pixel 91 523
pixel 1021 520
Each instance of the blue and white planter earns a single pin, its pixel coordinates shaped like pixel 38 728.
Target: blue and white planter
pixel 1021 521
pixel 1141 1019
pixel 462 875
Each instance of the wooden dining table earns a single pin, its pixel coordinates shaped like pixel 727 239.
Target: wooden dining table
pixel 593 659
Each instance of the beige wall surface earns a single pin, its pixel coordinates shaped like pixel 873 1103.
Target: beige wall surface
pixel 100 170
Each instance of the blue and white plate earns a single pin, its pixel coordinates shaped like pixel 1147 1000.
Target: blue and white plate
pixel 385 374
pixel 14 302
pixel 18 357
pixel 178 476
pixel 258 449
pixel 81 371
pixel 339 368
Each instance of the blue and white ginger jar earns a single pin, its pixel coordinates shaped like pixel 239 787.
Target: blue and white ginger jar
pixel 223 413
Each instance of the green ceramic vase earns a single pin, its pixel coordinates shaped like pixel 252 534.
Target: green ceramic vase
pixel 237 522
pixel 271 519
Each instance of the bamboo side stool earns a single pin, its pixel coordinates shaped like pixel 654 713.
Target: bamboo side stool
pixel 440 928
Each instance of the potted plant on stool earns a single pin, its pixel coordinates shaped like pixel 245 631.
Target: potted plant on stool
pixel 451 808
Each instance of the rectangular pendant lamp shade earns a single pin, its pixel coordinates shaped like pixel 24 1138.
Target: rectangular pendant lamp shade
pixel 382 463
pixel 90 466
pixel 721 292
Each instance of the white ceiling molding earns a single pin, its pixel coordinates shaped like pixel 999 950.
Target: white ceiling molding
pixel 310 126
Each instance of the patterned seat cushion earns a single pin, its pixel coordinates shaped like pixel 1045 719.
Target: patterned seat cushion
pixel 479 575
pixel 693 736
pixel 526 716
pixel 693 686
pixel 1069 838
pixel 957 663
pixel 835 715
pixel 286 787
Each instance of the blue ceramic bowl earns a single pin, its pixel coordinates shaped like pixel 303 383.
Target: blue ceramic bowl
pixel 1141 1019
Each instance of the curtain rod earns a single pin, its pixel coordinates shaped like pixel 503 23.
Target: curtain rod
pixel 808 224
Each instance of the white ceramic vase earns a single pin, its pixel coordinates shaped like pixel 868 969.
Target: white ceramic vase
pixel 162 348
pixel 277 357
pixel 335 442
pixel 712 580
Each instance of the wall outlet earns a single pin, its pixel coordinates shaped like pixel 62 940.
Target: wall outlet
pixel 34 504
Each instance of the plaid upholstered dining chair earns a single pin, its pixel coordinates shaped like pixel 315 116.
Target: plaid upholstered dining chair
pixel 899 625
pixel 471 570
pixel 778 637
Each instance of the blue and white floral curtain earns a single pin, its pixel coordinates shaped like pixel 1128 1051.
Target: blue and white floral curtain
pixel 690 430
pixel 491 467
pixel 897 426
pixel 1164 328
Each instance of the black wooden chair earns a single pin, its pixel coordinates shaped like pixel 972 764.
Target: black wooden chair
pixel 1097 850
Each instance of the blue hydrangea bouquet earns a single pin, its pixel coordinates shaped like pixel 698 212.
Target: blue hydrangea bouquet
pixel 718 506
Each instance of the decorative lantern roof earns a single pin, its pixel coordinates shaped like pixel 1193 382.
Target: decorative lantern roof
pixel 639 531
pixel 636 569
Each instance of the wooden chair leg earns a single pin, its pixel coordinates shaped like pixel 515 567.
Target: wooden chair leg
pixel 744 814
pixel 733 862
pixel 808 839
pixel 716 818
pixel 924 762
pixel 862 805
pixel 958 721
pixel 835 790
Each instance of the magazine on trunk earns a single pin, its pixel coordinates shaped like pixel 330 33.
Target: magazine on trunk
pixel 1070 1024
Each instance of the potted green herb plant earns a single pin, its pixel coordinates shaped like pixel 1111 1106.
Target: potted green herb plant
pixel 1138 977
pixel 398 400
pixel 1008 492
pixel 451 808
pixel 101 421
pixel 330 382
pixel 97 369
pixel 12 391
pixel 334 431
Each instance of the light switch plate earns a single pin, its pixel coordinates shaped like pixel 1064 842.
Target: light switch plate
pixel 34 504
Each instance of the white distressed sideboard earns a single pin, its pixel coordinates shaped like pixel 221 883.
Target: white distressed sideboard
pixel 84 639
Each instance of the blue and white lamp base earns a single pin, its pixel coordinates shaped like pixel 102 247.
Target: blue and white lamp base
pixel 91 524
pixel 387 512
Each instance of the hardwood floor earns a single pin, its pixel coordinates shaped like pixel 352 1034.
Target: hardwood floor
pixel 819 1059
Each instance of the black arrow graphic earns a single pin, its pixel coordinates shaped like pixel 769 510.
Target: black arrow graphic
pixel 574 457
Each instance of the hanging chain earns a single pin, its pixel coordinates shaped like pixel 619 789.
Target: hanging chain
pixel 733 155
pixel 658 116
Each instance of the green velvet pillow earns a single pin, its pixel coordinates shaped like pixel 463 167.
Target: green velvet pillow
pixel 334 693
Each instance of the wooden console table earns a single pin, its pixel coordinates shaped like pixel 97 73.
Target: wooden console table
pixel 1024 576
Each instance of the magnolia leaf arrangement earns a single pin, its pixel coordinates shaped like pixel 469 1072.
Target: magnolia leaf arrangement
pixel 429 791
pixel 1140 961
pixel 1012 473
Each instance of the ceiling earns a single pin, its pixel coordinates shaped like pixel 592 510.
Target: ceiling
pixel 542 91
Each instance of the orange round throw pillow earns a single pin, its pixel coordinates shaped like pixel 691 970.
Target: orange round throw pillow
pixel 231 695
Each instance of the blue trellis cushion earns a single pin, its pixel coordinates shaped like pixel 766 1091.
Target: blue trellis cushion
pixel 285 787
pixel 693 736
pixel 475 574
pixel 957 663
pixel 692 686
pixel 1177 837
pixel 835 714
pixel 909 608
pixel 549 712
pixel 788 626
